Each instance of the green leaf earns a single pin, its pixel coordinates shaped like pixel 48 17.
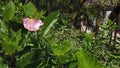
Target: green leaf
pixel 88 37
pixel 87 61
pixel 24 60
pixel 62 48
pixel 40 14
pixel 2 64
pixel 49 21
pixel 10 42
pixel 30 9
pixel 8 47
pixel 3 26
pixel 9 11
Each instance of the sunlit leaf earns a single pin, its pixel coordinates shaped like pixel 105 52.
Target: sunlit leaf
pixel 62 48
pixel 9 11
pixel 10 42
pixel 30 9
pixel 85 60
pixel 3 26
pixel 49 21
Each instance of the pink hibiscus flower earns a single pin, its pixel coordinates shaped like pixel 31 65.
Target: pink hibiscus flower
pixel 32 24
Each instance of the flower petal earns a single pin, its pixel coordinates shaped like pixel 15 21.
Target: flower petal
pixel 32 24
pixel 26 23
pixel 38 23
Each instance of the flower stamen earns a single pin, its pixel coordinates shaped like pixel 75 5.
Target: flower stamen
pixel 31 20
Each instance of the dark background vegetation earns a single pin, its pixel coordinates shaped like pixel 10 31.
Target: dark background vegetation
pixel 67 30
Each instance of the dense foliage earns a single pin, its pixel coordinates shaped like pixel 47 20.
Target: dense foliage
pixel 59 43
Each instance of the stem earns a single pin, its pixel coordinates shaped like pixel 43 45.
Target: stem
pixel 36 38
pixel 13 62
pixel 36 46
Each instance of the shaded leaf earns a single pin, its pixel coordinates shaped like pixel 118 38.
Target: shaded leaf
pixel 24 60
pixel 2 64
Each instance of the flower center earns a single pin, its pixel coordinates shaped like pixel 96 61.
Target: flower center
pixel 31 20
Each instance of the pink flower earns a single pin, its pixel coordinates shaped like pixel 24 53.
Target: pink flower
pixel 32 24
